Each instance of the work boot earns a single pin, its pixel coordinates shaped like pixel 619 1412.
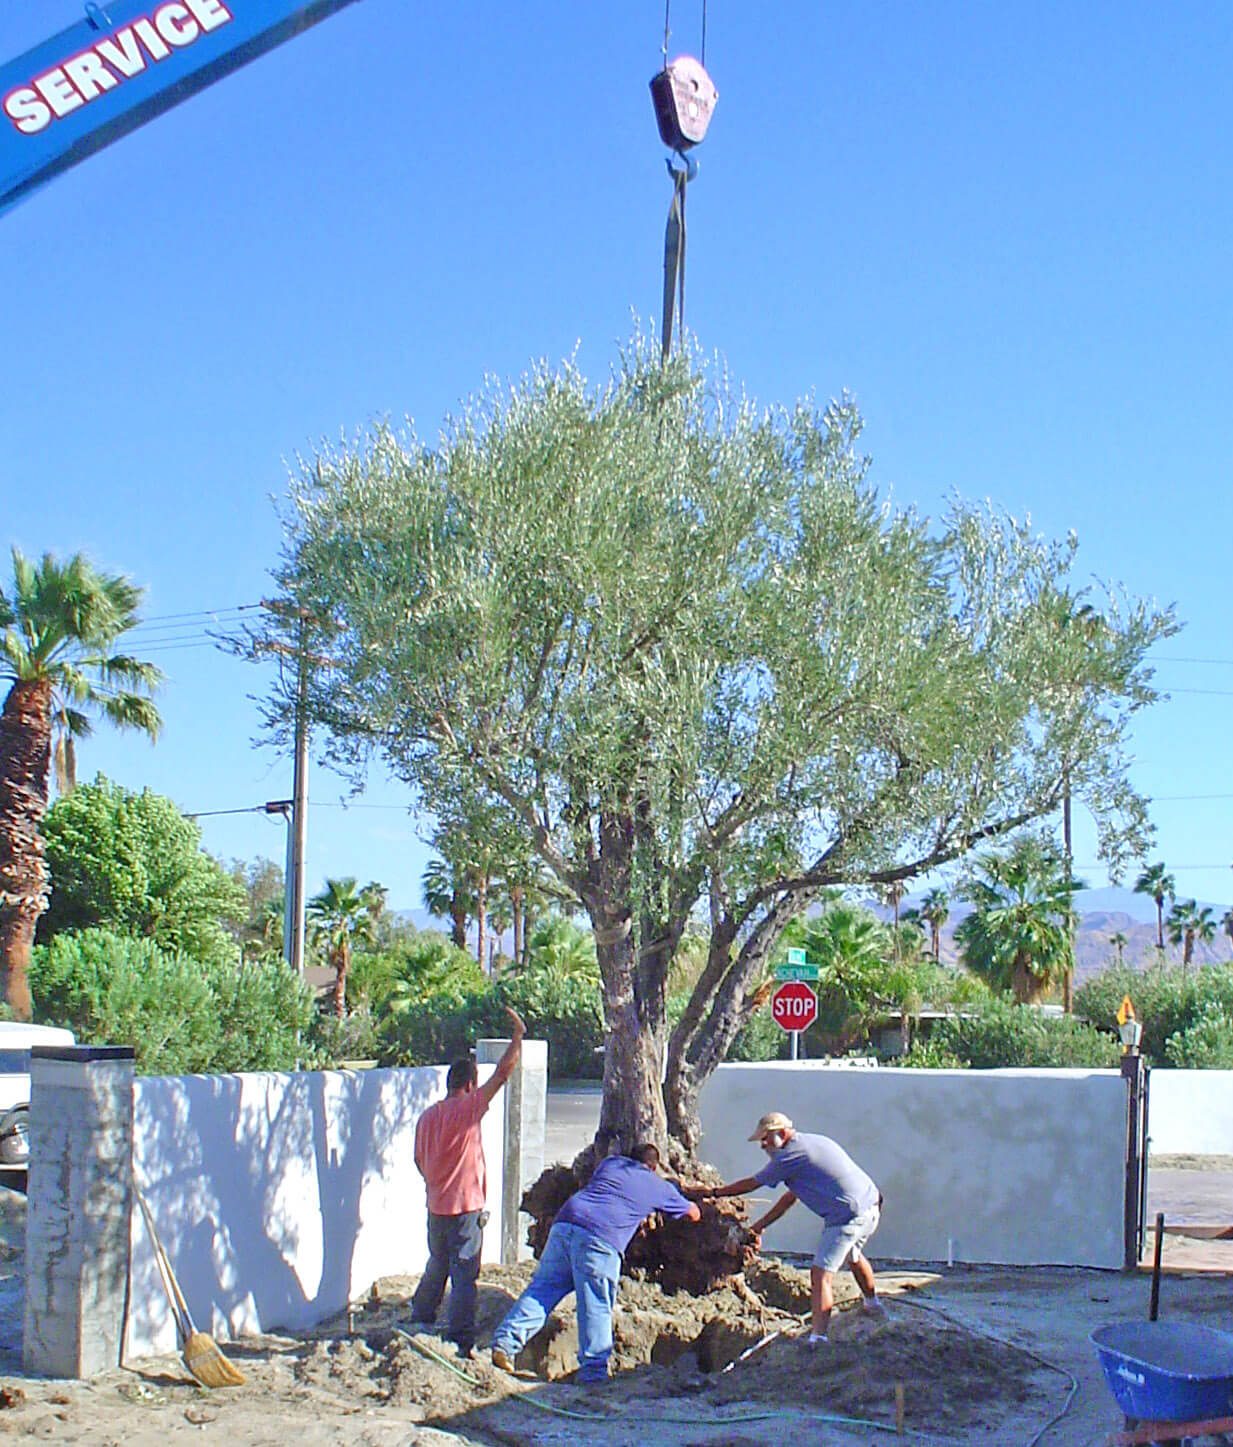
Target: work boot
pixel 502 1360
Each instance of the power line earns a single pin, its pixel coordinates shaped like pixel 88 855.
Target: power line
pixel 200 613
pixel 1207 692
pixel 1185 798
pixel 218 813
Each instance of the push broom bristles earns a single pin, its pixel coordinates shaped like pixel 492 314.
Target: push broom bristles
pixel 205 1360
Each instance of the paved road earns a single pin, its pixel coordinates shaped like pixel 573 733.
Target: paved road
pixel 573 1115
pixel 1196 1197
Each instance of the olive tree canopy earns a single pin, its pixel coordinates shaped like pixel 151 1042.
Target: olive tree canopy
pixel 688 649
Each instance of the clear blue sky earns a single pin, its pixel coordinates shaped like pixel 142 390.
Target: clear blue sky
pixel 1006 230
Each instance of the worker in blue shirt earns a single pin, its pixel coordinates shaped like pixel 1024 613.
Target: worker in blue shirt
pixel 583 1255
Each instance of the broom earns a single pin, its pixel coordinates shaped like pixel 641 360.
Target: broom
pixel 199 1351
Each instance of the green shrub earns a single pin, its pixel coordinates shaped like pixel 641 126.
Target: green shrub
pixel 759 1039
pixel 264 1012
pixel 930 1055
pixel 330 1042
pixel 179 1016
pixel 1207 1044
pixel 1167 1001
pixel 565 1010
pixel 1000 1035
pixel 410 970
pixel 133 864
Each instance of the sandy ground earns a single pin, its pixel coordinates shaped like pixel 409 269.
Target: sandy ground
pixel 976 1355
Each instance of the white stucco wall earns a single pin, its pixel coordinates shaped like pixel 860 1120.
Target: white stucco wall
pixel 1190 1112
pixel 280 1198
pixel 1021 1167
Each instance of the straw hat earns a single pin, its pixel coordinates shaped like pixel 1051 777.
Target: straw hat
pixel 774 1120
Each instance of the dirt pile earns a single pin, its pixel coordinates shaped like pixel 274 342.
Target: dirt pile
pixel 739 1344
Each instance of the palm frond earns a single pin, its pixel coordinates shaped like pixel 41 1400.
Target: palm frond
pixel 118 668
pixel 131 711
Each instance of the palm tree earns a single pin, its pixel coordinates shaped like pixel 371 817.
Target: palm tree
pixel 1018 935
pixel 1226 924
pixel 935 911
pixel 1157 882
pixel 558 945
pixel 1119 943
pixel 445 891
pixel 374 897
pixel 1188 923
pixel 60 625
pixel 858 977
pixel 340 920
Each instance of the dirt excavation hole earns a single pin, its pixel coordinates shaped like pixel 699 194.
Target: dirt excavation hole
pixel 739 1347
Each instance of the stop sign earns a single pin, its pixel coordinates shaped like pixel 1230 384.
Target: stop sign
pixel 794 1006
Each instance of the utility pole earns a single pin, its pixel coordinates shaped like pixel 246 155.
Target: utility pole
pixel 284 807
pixel 299 840
pixel 1068 979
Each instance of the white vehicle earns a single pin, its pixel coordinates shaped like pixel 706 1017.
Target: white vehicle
pixel 16 1042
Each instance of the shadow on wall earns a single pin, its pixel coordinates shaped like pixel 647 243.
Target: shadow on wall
pixel 274 1194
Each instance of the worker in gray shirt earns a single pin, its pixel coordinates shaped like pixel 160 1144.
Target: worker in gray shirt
pixel 819 1172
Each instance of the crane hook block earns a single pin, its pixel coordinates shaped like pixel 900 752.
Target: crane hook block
pixel 684 97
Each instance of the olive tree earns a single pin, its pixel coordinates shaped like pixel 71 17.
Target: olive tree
pixel 705 669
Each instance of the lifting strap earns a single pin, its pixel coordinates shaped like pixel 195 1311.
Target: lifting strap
pixel 674 255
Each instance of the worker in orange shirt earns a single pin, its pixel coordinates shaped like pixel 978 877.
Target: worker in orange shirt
pixel 450 1156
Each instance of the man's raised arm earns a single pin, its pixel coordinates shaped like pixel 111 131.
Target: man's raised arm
pixel 505 1066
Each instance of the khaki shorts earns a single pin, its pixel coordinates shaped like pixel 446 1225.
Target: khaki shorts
pixel 841 1246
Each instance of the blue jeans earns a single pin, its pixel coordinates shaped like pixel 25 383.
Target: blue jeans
pixel 454 1244
pixel 573 1260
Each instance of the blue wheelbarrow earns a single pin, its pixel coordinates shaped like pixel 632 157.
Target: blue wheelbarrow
pixel 1171 1375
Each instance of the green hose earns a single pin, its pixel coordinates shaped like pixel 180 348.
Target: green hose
pixel 695 1421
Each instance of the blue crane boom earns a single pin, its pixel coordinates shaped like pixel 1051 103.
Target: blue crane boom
pixel 126 62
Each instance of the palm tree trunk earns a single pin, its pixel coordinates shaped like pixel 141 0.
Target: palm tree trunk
pixel 342 963
pixel 481 916
pixel 515 902
pixel 1160 924
pixel 458 916
pixel 25 762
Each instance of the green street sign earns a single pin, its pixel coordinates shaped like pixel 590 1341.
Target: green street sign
pixel 796 972
pixel 796 957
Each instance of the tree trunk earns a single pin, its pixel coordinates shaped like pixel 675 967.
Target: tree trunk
pixel 458 916
pixel 515 904
pixel 481 917
pixel 25 762
pixel 634 1009
pixel 342 963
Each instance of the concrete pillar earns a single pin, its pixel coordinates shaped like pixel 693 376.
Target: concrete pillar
pixel 526 1113
pixel 78 1206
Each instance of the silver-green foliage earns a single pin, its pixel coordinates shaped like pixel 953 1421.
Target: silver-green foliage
pixel 691 652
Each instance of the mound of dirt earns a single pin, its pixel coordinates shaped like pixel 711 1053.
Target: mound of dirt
pixel 740 1343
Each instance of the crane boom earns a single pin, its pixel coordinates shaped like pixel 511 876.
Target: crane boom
pixel 125 63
